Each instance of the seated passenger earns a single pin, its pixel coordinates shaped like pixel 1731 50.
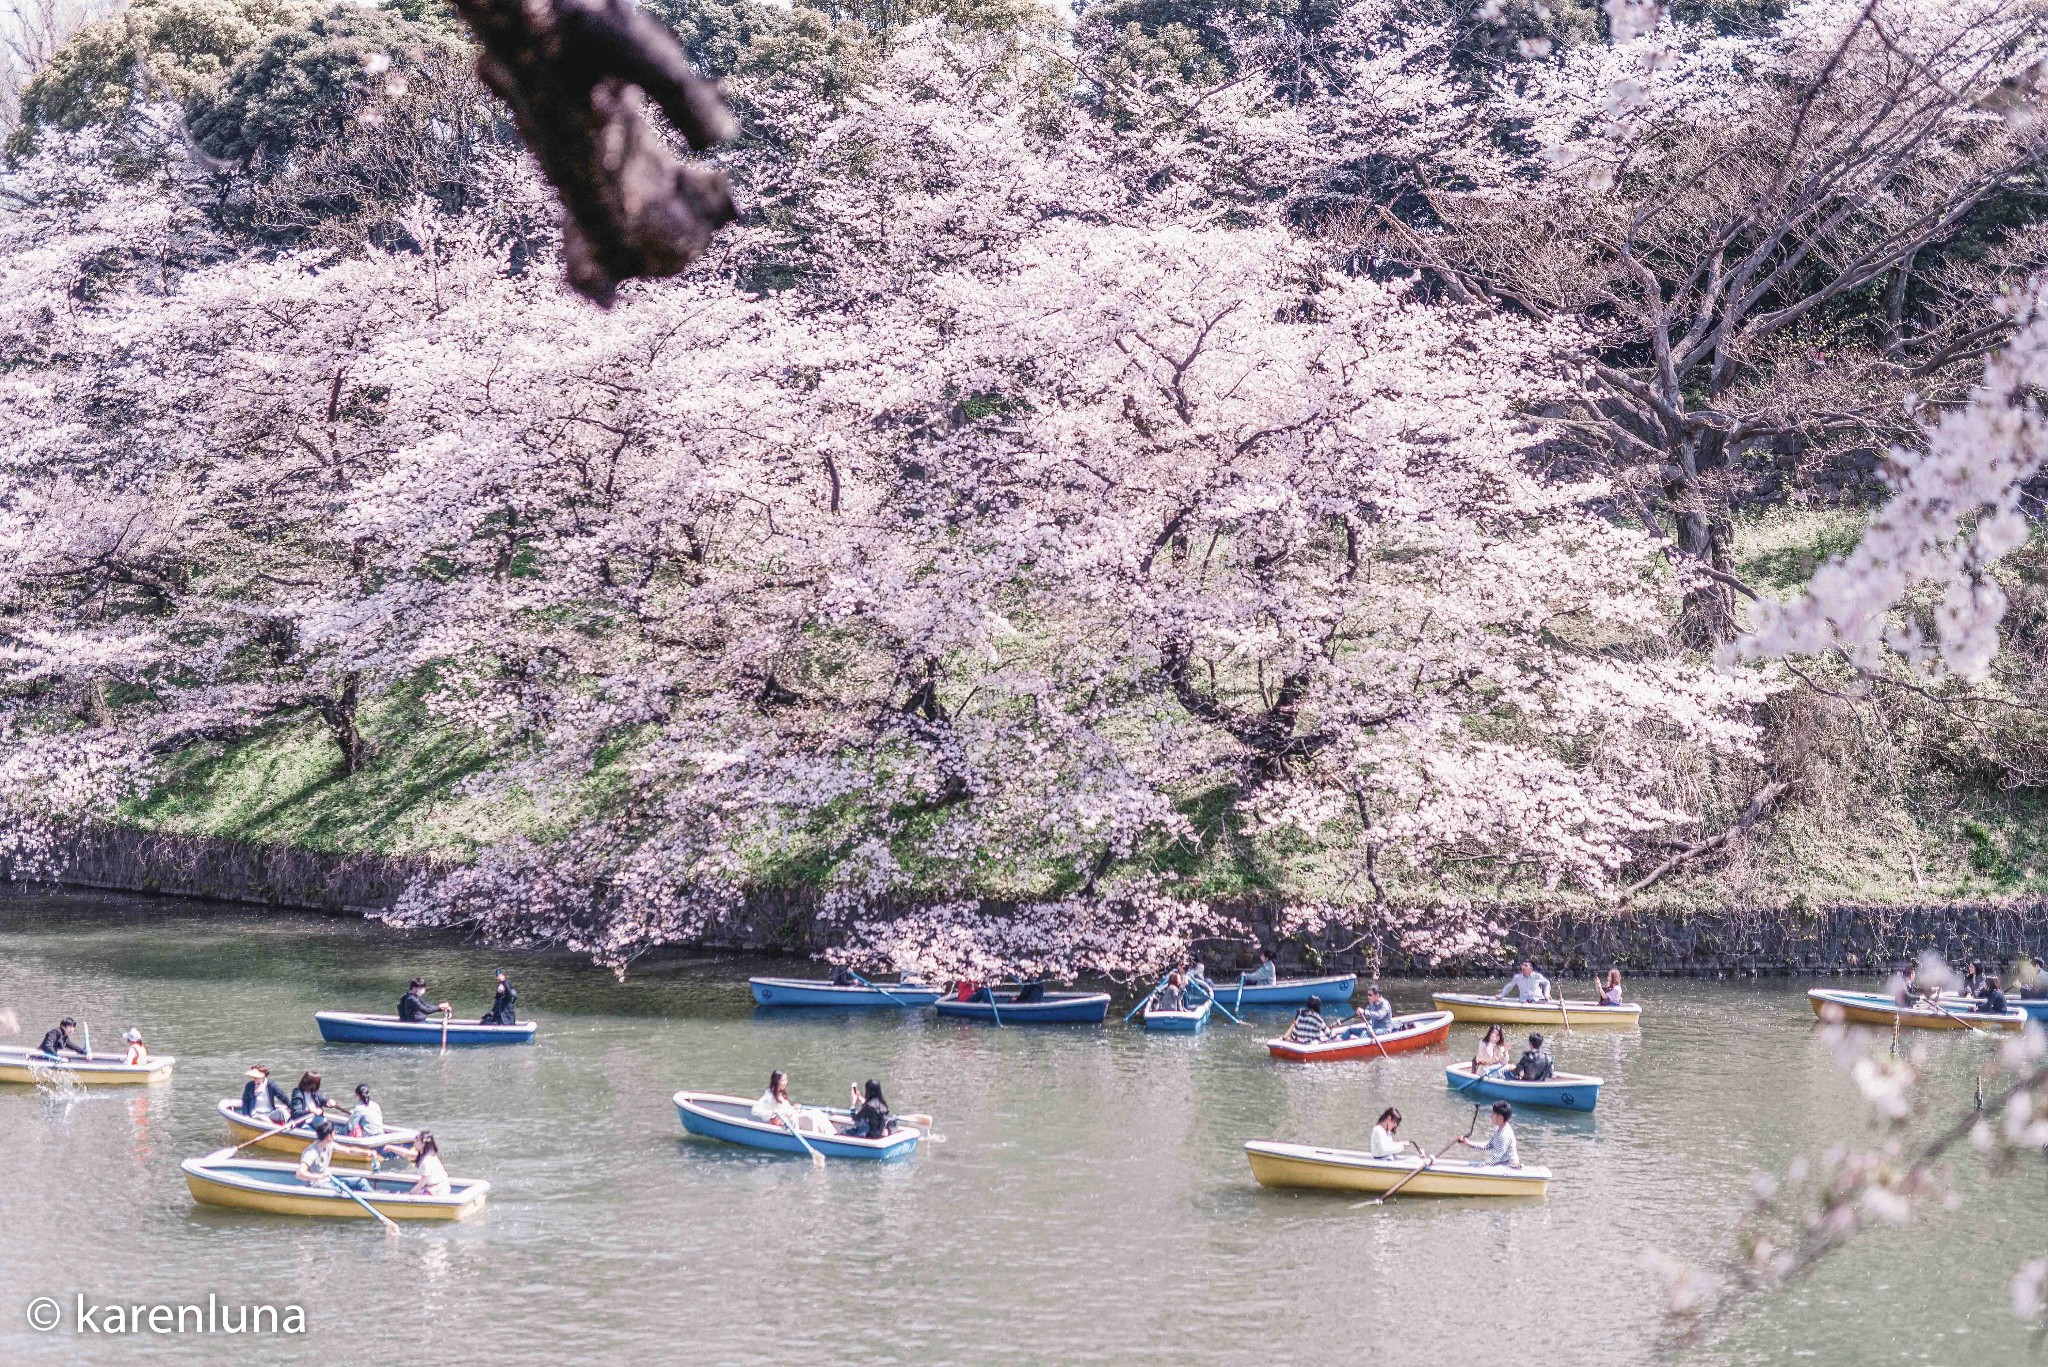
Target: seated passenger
pixel 845 977
pixel 138 1052
pixel 871 1118
pixel 1610 991
pixel 1493 1048
pixel 263 1099
pixel 1033 991
pixel 1535 1065
pixel 366 1117
pixel 1170 996
pixel 1308 1026
pixel 307 1099
pixel 1991 998
pixel 1384 1130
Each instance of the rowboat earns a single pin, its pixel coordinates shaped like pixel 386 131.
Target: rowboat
pixel 1481 1009
pixel 1303 1165
pixel 1287 992
pixel 2035 1007
pixel 358 1027
pixel 226 1179
pixel 357 1153
pixel 98 1070
pixel 731 1118
pixel 1186 1021
pixel 1423 1030
pixel 817 992
pixel 1562 1091
pixel 1876 1008
pixel 1054 1008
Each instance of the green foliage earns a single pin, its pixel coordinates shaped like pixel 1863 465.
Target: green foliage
pixel 162 49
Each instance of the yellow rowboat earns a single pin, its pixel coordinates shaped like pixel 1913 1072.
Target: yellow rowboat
pixel 100 1070
pixel 1875 1008
pixel 356 1153
pixel 1484 1010
pixel 227 1179
pixel 1302 1165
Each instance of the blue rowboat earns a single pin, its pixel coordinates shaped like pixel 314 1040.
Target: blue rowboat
pixel 1560 1091
pixel 1288 991
pixel 1055 1008
pixel 2035 1007
pixel 357 1027
pixel 816 992
pixel 1185 1021
pixel 731 1118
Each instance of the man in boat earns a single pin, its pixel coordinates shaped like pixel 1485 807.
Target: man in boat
pixel 1535 1064
pixel 1031 991
pixel 1375 1017
pixel 845 977
pixel 1500 1148
pixel 1265 975
pixel 1309 1026
pixel 501 1012
pixel 1527 985
pixel 413 1008
pixel 316 1162
pixel 1199 988
pixel 58 1042
pixel 263 1099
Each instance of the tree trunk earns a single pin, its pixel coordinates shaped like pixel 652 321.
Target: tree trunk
pixel 93 708
pixel 1708 617
pixel 339 711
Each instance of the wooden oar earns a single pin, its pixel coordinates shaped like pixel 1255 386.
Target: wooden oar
pixel 993 1009
pixel 1146 1002
pixel 1933 1001
pixel 879 988
pixel 390 1224
pixel 1235 1019
pixel 1566 1014
pixel 274 1129
pixel 1425 1166
pixel 446 1013
pixel 817 1159
pixel 1479 1077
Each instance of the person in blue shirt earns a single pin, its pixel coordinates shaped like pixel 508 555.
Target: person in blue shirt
pixel 1265 975
pixel 1500 1148
pixel 1527 985
pixel 1376 1016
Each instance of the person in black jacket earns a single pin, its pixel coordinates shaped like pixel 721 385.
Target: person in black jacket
pixel 307 1099
pixel 501 1012
pixel 871 1118
pixel 59 1042
pixel 1535 1065
pixel 263 1099
pixel 413 1008
pixel 1991 998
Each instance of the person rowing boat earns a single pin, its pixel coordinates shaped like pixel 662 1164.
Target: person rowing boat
pixel 1265 975
pixel 1376 1017
pixel 58 1042
pixel 1500 1148
pixel 316 1162
pixel 413 1008
pixel 1527 985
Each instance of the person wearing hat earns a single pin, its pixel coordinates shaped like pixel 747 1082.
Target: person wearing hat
pixel 58 1042
pixel 263 1099
pixel 413 1008
pixel 501 1012
pixel 138 1053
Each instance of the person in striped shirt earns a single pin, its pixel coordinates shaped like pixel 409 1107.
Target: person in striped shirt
pixel 1308 1027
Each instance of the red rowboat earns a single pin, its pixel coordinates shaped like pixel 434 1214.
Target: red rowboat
pixel 1423 1030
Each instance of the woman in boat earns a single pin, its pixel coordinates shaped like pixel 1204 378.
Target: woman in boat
pixel 307 1098
pixel 1265 975
pixel 1171 996
pixel 501 1012
pixel 1199 988
pixel 1500 1148
pixel 1610 991
pixel 138 1052
pixel 1991 997
pixel 1384 1130
pixel 1493 1048
pixel 871 1118
pixel 366 1117
pixel 424 1153
pixel 263 1099
pixel 774 1106
pixel 1309 1026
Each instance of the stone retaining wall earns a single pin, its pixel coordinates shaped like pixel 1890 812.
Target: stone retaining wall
pixel 1739 942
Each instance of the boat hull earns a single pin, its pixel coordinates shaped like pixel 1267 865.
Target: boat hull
pixel 1562 1092
pixel 1185 1022
pixel 262 1138
pixel 1482 1010
pixel 729 1118
pixel 1302 1166
pixel 1423 1030
pixel 27 1067
pixel 1057 1008
pixel 806 992
pixel 251 1184
pixel 1337 987
pixel 356 1027
pixel 1874 1008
